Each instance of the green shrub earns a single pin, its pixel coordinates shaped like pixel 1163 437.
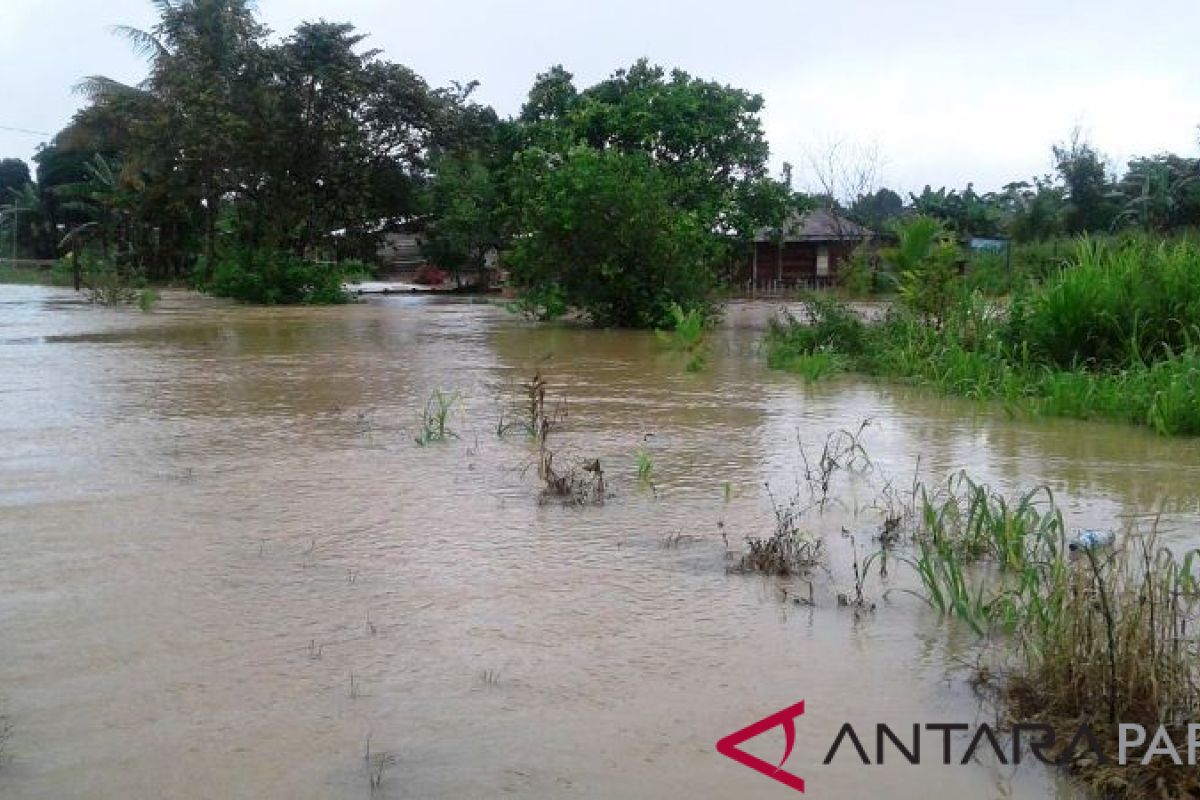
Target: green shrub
pixel 266 277
pixel 545 302
pixel 604 228
pixel 858 273
pixel 926 258
pixel 1112 306
pixel 831 326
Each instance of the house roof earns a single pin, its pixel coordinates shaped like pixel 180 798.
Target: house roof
pixel 820 225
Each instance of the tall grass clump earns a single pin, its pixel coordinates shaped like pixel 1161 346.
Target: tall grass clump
pixel 826 342
pixel 1114 334
pixel 1083 635
pixel 1115 305
pixel 435 418
pixel 688 335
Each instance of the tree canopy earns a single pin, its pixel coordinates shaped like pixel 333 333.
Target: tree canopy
pixel 241 148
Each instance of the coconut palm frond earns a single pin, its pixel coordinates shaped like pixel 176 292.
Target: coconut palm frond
pixel 79 234
pixel 144 43
pixel 98 87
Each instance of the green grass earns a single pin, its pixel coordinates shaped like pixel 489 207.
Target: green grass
pixel 58 275
pixel 1113 337
pixel 645 466
pixel 688 335
pixel 435 418
pixel 1095 636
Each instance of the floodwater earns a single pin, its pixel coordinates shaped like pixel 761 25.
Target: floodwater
pixel 227 570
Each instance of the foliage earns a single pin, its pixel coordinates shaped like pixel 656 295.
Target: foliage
pixel 645 467
pixel 14 174
pixel 435 418
pixel 464 200
pixel 1097 636
pixel 966 213
pixel 878 209
pixel 1085 180
pixel 926 259
pixel 1067 348
pixel 688 335
pixel 633 193
pixel 1115 305
pixel 858 273
pixel 309 145
pixel 270 278
pixel 1160 193
pixel 544 303
pixel 601 228
pixel 830 326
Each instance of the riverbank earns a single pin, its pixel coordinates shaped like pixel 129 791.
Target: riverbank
pixel 1114 336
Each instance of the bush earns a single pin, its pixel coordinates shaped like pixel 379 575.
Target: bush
pixel 832 326
pixel 1113 306
pixel 603 228
pixel 266 277
pixel 926 258
pixel 858 273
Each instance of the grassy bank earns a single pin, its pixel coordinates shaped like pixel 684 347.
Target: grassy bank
pixel 1114 334
pixel 33 274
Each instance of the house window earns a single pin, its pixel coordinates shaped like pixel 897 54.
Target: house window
pixel 822 262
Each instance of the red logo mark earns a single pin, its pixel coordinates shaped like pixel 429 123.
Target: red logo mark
pixel 729 745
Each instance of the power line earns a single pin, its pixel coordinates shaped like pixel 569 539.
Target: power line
pixel 23 130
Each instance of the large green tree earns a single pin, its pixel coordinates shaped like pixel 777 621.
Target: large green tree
pixel 601 231
pixel 14 173
pixel 1086 184
pixel 691 153
pixel 309 145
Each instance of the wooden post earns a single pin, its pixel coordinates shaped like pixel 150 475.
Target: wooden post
pixel 754 265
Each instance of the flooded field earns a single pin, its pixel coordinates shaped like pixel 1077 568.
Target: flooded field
pixel 227 569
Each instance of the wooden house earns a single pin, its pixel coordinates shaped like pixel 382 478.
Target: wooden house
pixel 806 252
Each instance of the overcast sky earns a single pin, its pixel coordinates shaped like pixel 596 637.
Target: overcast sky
pixel 949 91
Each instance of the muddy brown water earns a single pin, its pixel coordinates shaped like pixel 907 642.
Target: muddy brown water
pixel 225 565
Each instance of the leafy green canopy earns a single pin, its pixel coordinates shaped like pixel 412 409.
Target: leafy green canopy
pixel 309 145
pixel 633 193
pixel 601 233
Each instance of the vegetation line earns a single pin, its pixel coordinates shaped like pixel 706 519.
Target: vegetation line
pixel 1113 334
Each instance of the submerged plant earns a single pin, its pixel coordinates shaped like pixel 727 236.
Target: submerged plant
pixel 1100 634
pixel 435 418
pixel 788 550
pixel 580 484
pixel 842 451
pixel 645 467
pixel 533 417
pixel 688 335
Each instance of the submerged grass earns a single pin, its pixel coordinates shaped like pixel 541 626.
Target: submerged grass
pixel 1085 635
pixel 435 418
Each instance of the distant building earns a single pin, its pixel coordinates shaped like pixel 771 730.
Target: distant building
pixel 808 251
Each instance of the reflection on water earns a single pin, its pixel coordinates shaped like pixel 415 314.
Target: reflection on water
pixel 226 565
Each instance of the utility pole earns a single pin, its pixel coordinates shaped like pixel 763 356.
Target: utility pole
pixel 14 211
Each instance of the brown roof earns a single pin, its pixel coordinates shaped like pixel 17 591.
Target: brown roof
pixel 820 225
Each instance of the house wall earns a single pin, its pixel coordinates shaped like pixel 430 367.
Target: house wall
pixel 793 262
